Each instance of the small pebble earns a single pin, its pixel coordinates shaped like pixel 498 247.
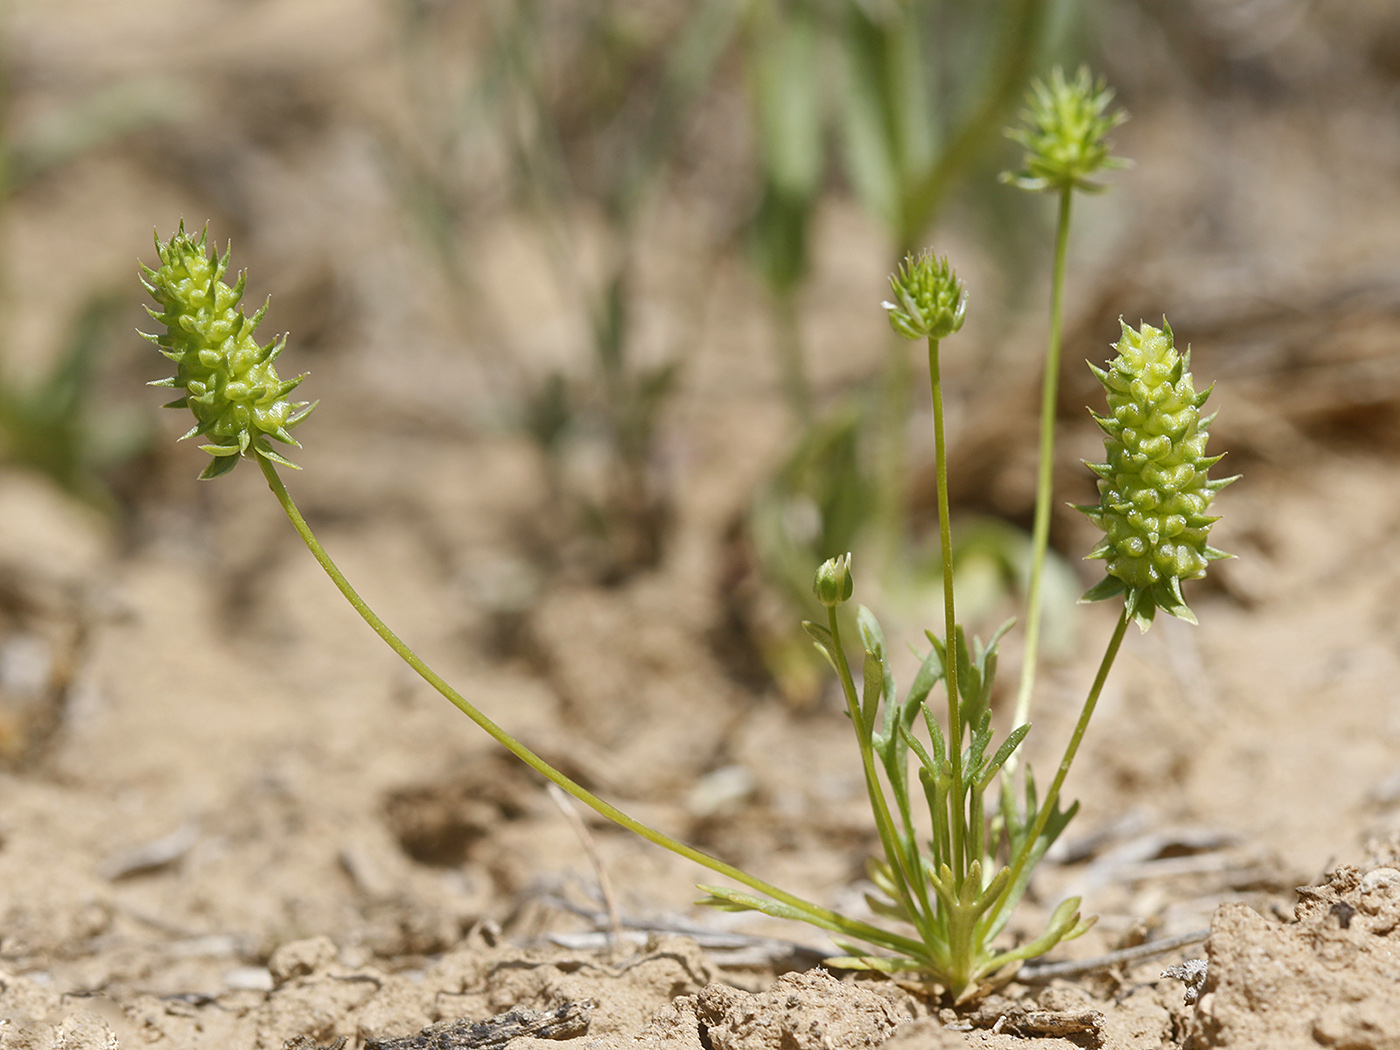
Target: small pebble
pixel 248 979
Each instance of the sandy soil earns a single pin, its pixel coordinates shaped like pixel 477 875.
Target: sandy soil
pixel 229 817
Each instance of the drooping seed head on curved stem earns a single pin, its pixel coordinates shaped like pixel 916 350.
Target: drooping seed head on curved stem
pixel 228 379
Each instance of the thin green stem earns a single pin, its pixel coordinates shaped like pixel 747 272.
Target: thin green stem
pixel 1047 807
pixel 907 870
pixel 817 915
pixel 1040 535
pixel 950 670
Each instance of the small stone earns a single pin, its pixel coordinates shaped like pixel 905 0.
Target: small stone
pixel 299 958
pixel 248 979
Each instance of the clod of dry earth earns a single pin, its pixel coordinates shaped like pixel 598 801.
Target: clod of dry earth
pixel 565 1021
pixel 1330 979
pixel 204 758
pixel 803 1011
pixel 34 1018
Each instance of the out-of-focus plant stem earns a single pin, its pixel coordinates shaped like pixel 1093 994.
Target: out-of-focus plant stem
pixel 923 197
pixel 1040 533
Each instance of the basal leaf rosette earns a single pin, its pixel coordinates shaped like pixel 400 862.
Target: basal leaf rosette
pixel 1154 493
pixel 228 379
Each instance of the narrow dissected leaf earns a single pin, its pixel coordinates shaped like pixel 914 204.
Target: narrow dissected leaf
pixel 926 761
pixel 994 889
pixel 1009 745
pixel 821 638
pixel 873 640
pixel 929 674
pixel 726 899
pixel 878 681
pixel 872 690
pixel 888 910
pixel 936 738
pixel 880 874
pixel 876 963
pixel 1065 924
pixel 977 748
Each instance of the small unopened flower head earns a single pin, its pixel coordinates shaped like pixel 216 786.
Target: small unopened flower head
pixel 228 379
pixel 1154 496
pixel 930 301
pixel 1063 130
pixel 834 583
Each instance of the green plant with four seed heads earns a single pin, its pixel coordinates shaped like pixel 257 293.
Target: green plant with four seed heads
pixel 948 882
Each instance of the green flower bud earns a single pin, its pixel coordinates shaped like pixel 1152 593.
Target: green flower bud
pixel 930 301
pixel 1153 491
pixel 1063 133
pixel 834 584
pixel 228 380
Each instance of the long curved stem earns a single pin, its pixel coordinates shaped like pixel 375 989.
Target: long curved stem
pixel 816 914
pixel 1040 534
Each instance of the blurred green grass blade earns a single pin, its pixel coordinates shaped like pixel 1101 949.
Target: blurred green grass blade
pixel 1022 31
pixel 787 87
pixel 49 426
pixel 92 121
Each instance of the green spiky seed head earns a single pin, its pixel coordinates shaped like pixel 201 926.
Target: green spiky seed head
pixel 834 584
pixel 1154 495
pixel 1063 131
pixel 228 379
pixel 930 301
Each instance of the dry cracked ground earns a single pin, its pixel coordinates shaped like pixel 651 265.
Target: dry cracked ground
pixel 230 818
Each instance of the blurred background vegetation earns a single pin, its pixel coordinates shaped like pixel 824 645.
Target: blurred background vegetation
pixel 586 222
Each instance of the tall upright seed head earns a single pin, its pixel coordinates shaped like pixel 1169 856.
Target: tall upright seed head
pixel 1153 491
pixel 228 380
pixel 1063 131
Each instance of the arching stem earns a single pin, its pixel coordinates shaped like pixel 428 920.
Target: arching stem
pixel 814 913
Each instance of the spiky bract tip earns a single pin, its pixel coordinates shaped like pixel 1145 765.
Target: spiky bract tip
pixel 1063 131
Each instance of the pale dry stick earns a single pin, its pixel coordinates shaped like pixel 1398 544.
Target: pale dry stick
pixel 590 848
pixel 730 941
pixel 1046 972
